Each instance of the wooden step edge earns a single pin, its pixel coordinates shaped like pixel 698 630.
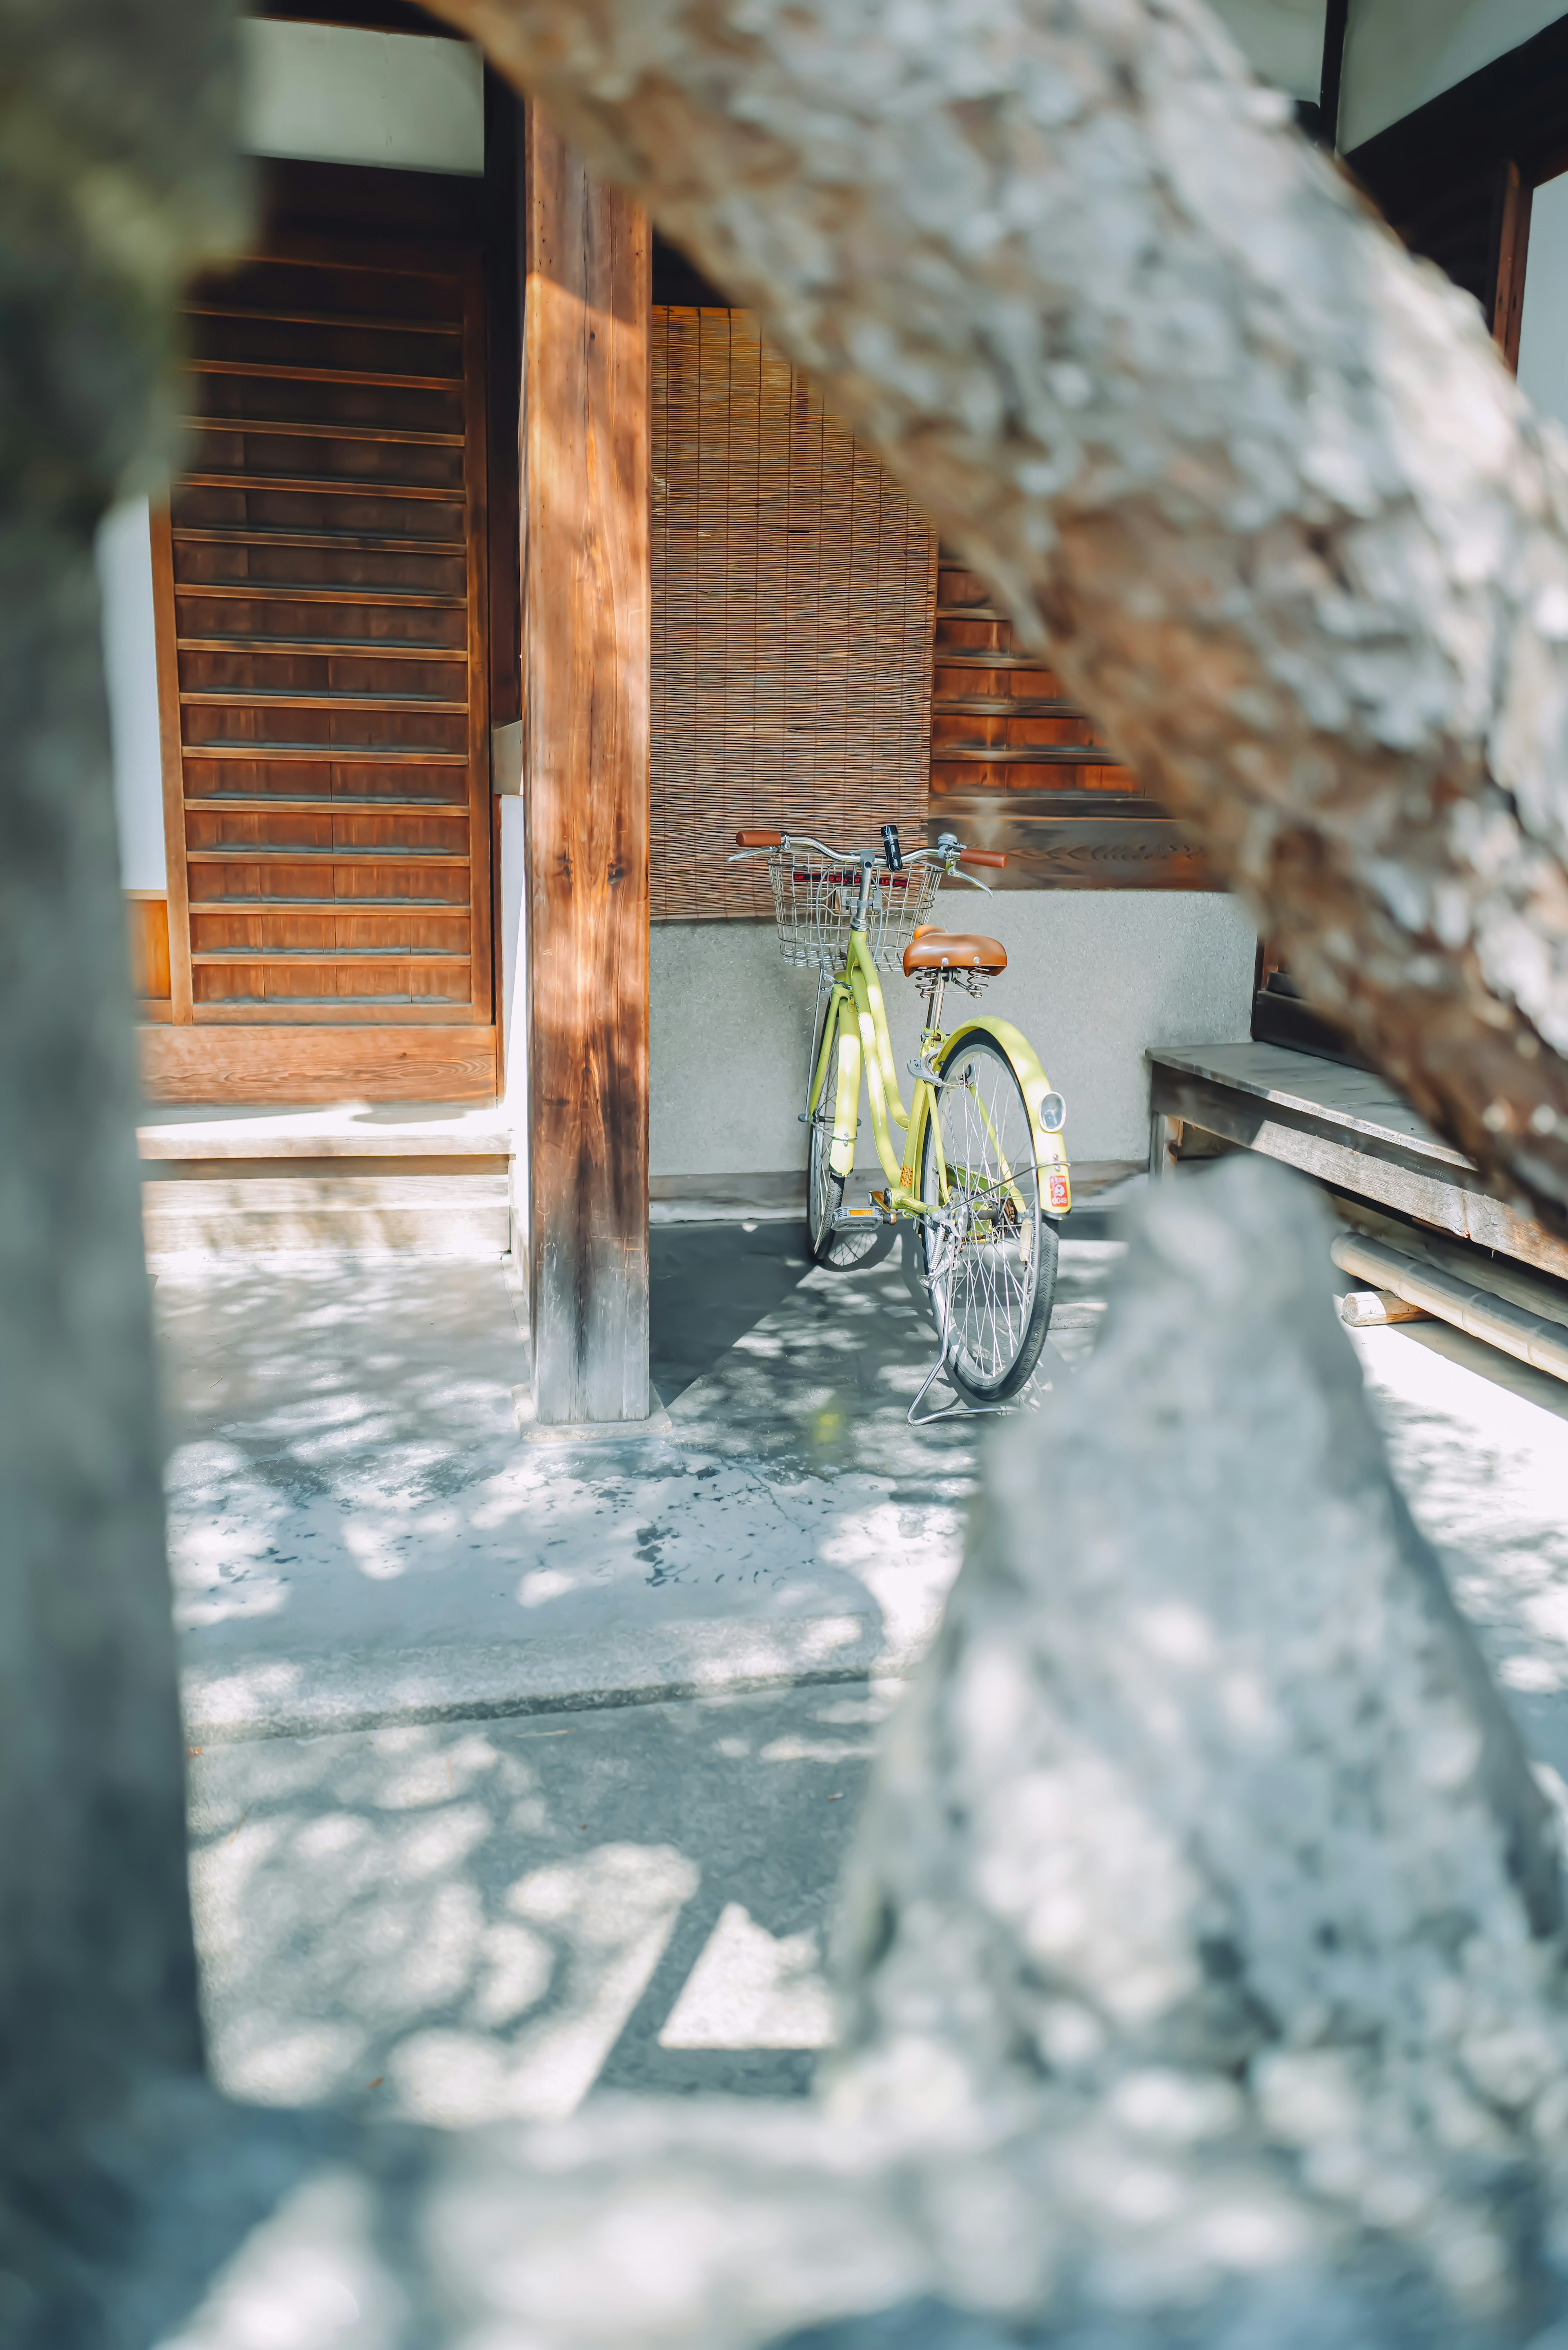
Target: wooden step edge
pixel 191 1186
pixel 271 851
pixel 358 910
pixel 329 648
pixel 299 428
pixel 338 320
pixel 282 697
pixel 282 371
pixel 339 754
pixel 1028 754
pixel 375 956
pixel 326 485
pixel 321 591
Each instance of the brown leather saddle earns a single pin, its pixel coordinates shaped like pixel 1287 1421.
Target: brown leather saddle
pixel 933 949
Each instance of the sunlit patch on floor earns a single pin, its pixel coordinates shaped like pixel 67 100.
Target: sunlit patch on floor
pixel 751 1989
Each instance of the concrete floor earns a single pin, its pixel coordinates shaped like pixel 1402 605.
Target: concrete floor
pixel 463 1917
pixel 1480 1444
pixel 460 1918
pixel 359 1535
pixel 463 1922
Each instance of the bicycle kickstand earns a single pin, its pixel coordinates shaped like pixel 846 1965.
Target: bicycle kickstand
pixel 959 1407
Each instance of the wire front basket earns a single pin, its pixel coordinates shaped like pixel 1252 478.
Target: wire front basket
pixel 815 900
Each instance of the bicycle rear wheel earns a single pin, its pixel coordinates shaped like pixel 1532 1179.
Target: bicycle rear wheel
pixel 992 1262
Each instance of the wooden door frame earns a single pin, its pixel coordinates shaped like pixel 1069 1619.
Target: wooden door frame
pixel 188 1069
pixel 476 517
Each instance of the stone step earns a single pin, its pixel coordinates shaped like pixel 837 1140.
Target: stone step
pixel 428 1179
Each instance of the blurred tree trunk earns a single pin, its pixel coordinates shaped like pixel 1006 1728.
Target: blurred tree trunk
pixel 117 177
pixel 1148 361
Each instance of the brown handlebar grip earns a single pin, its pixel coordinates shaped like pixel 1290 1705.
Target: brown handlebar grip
pixel 759 839
pixel 981 856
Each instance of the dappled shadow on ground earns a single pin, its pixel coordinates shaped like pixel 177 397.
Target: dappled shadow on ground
pixel 1480 1444
pixel 463 1923
pixel 359 1533
pixel 494 1917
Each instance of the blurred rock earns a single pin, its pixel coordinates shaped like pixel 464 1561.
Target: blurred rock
pixel 1205 1847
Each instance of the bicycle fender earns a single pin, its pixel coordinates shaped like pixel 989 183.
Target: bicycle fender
pixel 846 1109
pixel 1050 1150
pixel 838 1000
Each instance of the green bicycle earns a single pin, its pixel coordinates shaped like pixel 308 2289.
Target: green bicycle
pixel 983 1174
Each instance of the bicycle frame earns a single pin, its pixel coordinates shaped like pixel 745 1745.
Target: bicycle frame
pixel 855 1028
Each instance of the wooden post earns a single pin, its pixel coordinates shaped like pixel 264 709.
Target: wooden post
pixel 1335 24
pixel 585 650
pixel 1511 242
pixel 1164 1147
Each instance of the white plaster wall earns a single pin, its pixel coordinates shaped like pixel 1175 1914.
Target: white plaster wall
pixel 131 673
pixel 1094 978
pixel 513 975
pixel 336 94
pixel 514 1007
pixel 1544 329
pixel 1400 53
pixel 1281 40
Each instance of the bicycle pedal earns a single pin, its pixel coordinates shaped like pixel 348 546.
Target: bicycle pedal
pixel 852 1219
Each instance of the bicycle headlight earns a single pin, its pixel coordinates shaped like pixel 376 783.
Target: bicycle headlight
pixel 1052 1113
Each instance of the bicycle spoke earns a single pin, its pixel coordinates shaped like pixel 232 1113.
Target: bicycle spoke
pixel 985 1290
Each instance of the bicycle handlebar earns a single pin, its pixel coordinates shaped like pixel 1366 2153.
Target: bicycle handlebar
pixel 946 852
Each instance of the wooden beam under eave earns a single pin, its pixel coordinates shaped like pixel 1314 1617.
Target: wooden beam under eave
pixel 1511 242
pixel 586 634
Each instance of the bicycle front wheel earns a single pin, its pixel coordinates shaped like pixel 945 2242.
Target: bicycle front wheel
pixel 828 1241
pixel 824 1188
pixel 992 1259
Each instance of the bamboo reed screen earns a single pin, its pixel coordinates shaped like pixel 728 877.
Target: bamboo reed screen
pixel 794 593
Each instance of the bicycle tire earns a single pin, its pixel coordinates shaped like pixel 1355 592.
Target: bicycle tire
pixel 827 1243
pixel 993 1298
pixel 824 1188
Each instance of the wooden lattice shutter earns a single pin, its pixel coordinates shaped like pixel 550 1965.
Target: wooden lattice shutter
pixel 321 590
pixel 793 595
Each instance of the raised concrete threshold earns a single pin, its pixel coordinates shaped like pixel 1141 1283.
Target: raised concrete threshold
pixel 780 1198
pixel 726 1199
pixel 426 1178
